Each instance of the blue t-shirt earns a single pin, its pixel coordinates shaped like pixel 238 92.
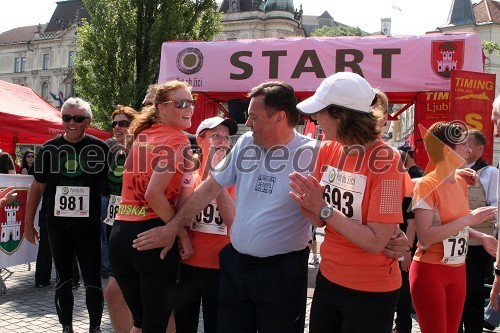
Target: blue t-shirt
pixel 267 222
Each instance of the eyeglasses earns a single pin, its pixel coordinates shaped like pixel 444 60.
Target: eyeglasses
pixel 217 137
pixel 76 118
pixel 181 103
pixel 121 123
pixel 30 156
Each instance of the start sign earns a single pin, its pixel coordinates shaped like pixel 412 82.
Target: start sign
pixel 393 64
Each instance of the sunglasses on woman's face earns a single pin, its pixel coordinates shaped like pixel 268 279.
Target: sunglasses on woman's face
pixel 76 118
pixel 181 103
pixel 121 123
pixel 30 156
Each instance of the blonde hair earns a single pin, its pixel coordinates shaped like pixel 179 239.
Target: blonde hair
pixel 149 116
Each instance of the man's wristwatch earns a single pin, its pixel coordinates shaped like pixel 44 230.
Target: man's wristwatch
pixel 326 212
pixel 497 271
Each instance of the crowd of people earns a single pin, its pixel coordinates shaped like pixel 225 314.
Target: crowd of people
pixel 228 227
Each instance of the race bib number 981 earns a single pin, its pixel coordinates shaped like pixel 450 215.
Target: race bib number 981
pixel 72 201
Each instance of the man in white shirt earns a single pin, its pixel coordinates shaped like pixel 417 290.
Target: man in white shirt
pixel 483 193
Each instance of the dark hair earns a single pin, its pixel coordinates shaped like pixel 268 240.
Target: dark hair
pixel 129 112
pixel 448 133
pixel 24 163
pixel 359 127
pixel 479 138
pixel 278 96
pixel 149 115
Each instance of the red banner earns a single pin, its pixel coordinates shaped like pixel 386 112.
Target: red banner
pixel 431 107
pixel 471 98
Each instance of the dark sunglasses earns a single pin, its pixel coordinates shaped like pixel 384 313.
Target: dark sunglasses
pixel 181 103
pixel 121 123
pixel 30 156
pixel 76 118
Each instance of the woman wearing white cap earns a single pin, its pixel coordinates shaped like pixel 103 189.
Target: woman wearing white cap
pixel 209 233
pixel 357 193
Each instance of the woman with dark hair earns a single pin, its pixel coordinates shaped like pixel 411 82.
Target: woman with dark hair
pixel 151 185
pixel 442 220
pixel 27 161
pixel 356 193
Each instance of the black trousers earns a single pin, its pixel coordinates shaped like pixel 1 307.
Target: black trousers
pixel 43 270
pixel 336 309
pixel 403 308
pixel 196 284
pixel 84 239
pixel 262 294
pixel 44 256
pixel 477 264
pixel 147 282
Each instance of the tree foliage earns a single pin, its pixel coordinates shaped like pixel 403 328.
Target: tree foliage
pixel 490 46
pixel 338 31
pixel 118 53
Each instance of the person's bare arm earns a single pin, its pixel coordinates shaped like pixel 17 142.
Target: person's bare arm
pixel 34 197
pixel 164 236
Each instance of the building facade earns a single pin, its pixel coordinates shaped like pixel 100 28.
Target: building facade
pixel 259 19
pixel 41 56
pixel 482 18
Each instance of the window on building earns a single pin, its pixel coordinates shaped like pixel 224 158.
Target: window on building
pixel 45 61
pixel 71 58
pixel 20 64
pixel 45 90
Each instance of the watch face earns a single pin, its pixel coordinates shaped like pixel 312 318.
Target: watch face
pixel 326 212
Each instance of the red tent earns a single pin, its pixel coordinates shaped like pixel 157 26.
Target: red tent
pixel 26 118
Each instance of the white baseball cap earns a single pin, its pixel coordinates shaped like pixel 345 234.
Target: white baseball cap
pixel 344 89
pixel 213 122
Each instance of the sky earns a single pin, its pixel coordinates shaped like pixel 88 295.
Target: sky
pixel 408 17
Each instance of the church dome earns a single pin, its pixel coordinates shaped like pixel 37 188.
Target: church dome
pixel 283 5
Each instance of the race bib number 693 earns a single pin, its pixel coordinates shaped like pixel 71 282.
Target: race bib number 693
pixel 344 191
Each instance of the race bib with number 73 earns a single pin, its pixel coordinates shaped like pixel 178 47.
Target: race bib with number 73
pixel 72 201
pixel 455 247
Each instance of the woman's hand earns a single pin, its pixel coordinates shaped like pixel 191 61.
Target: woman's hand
pixel 398 244
pixel 186 249
pixel 313 218
pixel 8 194
pixel 406 263
pixel 308 192
pixel 481 214
pixel 490 245
pixel 468 174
